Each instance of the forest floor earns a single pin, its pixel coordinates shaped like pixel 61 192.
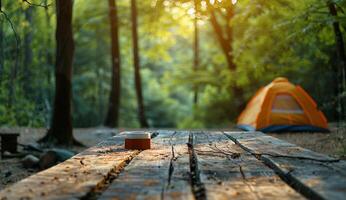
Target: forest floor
pixel 333 143
pixel 11 170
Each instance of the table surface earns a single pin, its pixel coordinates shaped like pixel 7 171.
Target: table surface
pixel 190 165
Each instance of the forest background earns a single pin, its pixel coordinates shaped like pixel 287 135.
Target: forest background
pixel 185 84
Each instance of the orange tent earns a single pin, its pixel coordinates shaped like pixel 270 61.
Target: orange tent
pixel 282 106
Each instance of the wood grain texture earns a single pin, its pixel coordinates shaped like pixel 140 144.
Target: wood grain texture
pixel 315 175
pixel 265 144
pixel 161 172
pixel 190 165
pixel 229 172
pixel 75 177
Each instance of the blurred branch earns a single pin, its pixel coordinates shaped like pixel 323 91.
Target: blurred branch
pixel 13 30
pixel 43 5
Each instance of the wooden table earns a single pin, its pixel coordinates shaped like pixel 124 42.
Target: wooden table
pixel 190 165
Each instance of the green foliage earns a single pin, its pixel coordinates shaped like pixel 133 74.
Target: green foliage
pixel 270 38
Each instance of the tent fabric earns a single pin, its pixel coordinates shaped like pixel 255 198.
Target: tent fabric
pixel 282 106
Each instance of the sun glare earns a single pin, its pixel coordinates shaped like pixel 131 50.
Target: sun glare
pixel 213 1
pixel 191 11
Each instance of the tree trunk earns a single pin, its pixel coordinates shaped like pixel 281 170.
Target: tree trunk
pixel 2 58
pixel 100 93
pixel 13 70
pixel 114 97
pixel 61 128
pixel 225 38
pixel 341 62
pixel 11 85
pixel 196 49
pixel 136 61
pixel 49 56
pixel 49 67
pixel 225 42
pixel 27 62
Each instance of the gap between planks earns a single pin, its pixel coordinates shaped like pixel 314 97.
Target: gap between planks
pixel 197 185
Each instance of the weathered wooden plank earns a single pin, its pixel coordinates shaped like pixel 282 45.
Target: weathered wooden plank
pixel 228 172
pixel 315 175
pixel 259 145
pixel 160 172
pixel 75 177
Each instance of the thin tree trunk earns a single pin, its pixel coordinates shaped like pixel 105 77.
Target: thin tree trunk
pixel 225 38
pixel 61 128
pixel 2 57
pixel 13 70
pixel 49 56
pixel 49 67
pixel 99 93
pixel 11 85
pixel 114 97
pixel 341 62
pixel 27 62
pixel 225 42
pixel 136 61
pixel 196 49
